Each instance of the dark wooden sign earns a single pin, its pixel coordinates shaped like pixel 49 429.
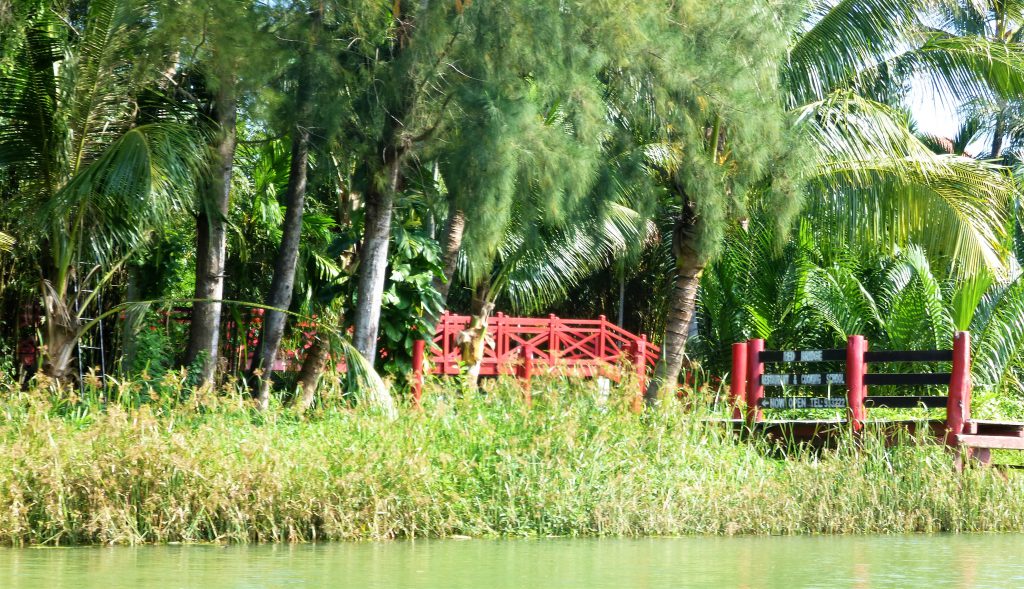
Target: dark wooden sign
pixel 803 403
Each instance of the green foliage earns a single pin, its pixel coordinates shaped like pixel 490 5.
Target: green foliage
pixel 848 72
pixel 86 181
pixel 157 345
pixel 411 305
pixel 209 469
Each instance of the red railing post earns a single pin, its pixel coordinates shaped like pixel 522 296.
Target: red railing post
pixel 526 373
pixel 958 404
pixel 553 340
pixel 738 379
pixel 500 349
pixel 755 390
pixel 601 338
pixel 855 380
pixel 419 346
pixel 445 348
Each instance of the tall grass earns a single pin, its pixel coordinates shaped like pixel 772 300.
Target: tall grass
pixel 208 469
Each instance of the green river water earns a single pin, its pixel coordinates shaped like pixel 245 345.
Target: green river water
pixel 786 562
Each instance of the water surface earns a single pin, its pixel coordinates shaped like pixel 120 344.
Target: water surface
pixel 995 561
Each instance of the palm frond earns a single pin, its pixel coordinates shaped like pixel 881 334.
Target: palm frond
pixel 842 301
pixel 844 38
pixel 960 66
pixel 877 181
pixel 134 185
pixel 998 330
pixel 96 78
pixel 536 273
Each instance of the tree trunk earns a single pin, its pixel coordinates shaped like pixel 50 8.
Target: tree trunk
pixel 373 262
pixel 312 368
pixel 129 328
pixel 689 267
pixel 211 242
pixel 280 295
pixel 474 338
pixel 997 134
pixel 454 228
pixel 60 353
pixel 61 335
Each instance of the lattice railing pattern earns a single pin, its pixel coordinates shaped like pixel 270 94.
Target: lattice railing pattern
pixel 583 347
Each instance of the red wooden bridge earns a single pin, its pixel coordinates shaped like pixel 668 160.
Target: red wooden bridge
pixel 524 346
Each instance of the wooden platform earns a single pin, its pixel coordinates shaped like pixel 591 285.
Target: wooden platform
pixel 996 435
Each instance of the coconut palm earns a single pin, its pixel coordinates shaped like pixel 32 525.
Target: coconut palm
pixel 996 23
pixel 92 182
pixel 868 177
pixel 845 70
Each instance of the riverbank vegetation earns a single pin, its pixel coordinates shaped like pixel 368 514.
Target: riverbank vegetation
pixel 195 194
pixel 212 469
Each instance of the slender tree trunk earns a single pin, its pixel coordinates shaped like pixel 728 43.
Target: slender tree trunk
pixel 283 282
pixel 373 262
pixel 211 243
pixel 998 133
pixel 454 228
pixel 682 301
pixel 129 329
pixel 474 338
pixel 280 295
pixel 309 376
pixel 61 333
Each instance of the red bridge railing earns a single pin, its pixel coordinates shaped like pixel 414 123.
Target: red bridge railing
pixel 528 345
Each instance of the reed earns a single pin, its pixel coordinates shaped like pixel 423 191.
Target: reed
pixel 206 468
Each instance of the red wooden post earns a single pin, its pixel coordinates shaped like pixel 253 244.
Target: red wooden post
pixel 526 373
pixel 601 337
pixel 855 392
pixel 738 379
pixel 755 390
pixel 500 349
pixel 958 404
pixel 445 348
pixel 552 339
pixel 418 348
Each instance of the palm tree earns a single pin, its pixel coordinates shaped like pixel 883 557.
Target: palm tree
pixel 995 23
pixel 92 180
pixel 846 69
pixel 867 174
